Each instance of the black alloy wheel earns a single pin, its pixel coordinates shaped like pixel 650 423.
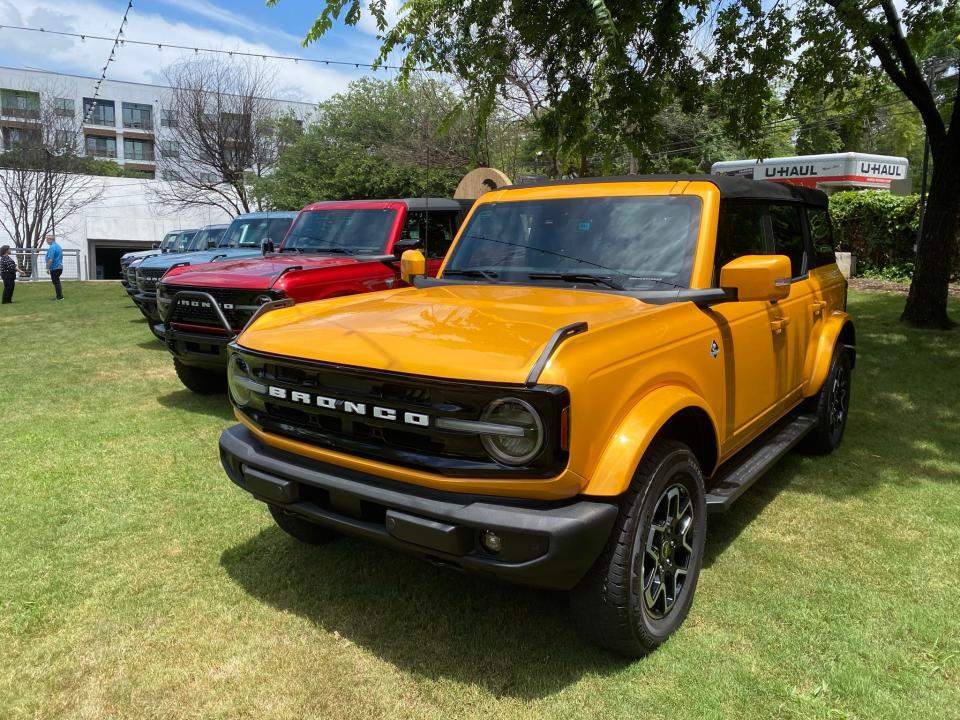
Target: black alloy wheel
pixel 667 552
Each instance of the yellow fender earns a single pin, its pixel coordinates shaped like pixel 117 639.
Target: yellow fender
pixel 818 362
pixel 633 436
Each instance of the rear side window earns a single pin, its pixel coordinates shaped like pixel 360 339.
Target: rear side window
pixel 434 229
pixel 739 232
pixel 788 236
pixel 821 238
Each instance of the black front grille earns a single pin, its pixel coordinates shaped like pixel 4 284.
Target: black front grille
pixel 148 278
pixel 238 306
pixel 455 453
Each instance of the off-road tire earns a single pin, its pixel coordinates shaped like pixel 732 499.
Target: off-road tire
pixel 833 397
pixel 609 605
pixel 200 380
pixel 302 530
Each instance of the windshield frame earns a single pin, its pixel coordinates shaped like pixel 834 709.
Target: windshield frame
pixel 391 216
pixel 225 241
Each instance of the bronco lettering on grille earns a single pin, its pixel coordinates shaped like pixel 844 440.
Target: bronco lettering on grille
pixel 350 407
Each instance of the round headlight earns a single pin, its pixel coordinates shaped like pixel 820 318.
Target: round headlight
pixel 523 442
pixel 238 380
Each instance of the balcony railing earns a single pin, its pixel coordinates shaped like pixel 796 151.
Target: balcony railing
pixel 102 152
pixel 139 125
pixel 17 112
pixel 140 156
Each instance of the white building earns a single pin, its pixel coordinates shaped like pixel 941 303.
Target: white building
pixel 127 124
pixel 830 173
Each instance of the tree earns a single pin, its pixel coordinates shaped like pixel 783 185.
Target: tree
pixel 612 66
pixel 43 181
pixel 378 139
pixel 224 130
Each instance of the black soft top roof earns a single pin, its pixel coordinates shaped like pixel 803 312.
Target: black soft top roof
pixel 731 188
pixel 430 204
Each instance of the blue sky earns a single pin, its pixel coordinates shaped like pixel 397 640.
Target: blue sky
pixel 244 25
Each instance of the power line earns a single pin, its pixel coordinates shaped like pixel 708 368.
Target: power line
pixel 103 72
pixel 232 53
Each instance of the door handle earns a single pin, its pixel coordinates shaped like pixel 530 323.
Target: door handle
pixel 818 307
pixel 779 324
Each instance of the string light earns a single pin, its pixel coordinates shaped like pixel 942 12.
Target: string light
pixel 110 59
pixel 231 53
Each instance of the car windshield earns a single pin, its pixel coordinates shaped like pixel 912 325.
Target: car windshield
pixel 250 233
pixel 169 241
pixel 183 242
pixel 204 238
pixel 622 242
pixel 341 231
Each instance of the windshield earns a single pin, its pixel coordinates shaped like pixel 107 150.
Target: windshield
pixel 169 240
pixel 251 232
pixel 183 242
pixel 348 231
pixel 203 238
pixel 632 242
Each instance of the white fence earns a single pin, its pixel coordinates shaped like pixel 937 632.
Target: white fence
pixel 35 261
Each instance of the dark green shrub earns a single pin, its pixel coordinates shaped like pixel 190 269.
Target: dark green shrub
pixel 880 228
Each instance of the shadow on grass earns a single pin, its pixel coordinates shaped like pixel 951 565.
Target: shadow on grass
pixel 152 344
pixel 214 405
pixel 437 623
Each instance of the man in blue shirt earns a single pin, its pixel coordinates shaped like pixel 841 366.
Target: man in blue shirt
pixel 55 264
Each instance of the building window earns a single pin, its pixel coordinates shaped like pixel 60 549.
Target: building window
pixel 170 148
pixel 137 116
pixel 64 140
pixel 138 150
pixel 208 178
pixel 20 137
pixel 63 107
pixel 20 104
pixel 102 113
pixel 171 175
pixel 168 118
pixel 101 146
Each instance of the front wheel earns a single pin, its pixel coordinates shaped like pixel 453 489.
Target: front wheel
pixel 831 406
pixel 199 380
pixel 640 589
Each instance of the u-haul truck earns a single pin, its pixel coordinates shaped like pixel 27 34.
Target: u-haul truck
pixel 838 171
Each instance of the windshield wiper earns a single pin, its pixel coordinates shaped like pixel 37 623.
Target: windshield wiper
pixel 578 277
pixel 472 272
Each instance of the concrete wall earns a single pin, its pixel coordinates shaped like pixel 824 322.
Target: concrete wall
pixel 127 214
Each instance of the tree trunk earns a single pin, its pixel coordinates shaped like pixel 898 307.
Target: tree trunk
pixel 927 302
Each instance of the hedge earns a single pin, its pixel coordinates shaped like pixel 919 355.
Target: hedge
pixel 880 228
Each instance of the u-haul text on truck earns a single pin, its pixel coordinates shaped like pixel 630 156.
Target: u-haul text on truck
pixel 838 171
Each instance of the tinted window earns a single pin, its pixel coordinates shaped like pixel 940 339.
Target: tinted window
pixel 821 237
pixel 362 231
pixel 739 232
pixel 788 236
pixel 643 241
pixel 183 242
pixel 436 228
pixel 168 241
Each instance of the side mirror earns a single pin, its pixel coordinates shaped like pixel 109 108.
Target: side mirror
pixel 154 246
pixel 401 246
pixel 757 277
pixel 266 246
pixel 412 264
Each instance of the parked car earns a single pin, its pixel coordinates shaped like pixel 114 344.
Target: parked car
pixel 169 241
pixel 599 364
pixel 246 236
pixel 332 249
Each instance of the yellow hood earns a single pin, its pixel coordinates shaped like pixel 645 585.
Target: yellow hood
pixel 487 333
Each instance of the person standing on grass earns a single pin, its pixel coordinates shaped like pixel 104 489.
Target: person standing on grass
pixel 8 272
pixel 55 264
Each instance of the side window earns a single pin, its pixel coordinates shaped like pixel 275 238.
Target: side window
pixel 788 236
pixel 739 232
pixel 440 234
pixel 821 238
pixel 278 230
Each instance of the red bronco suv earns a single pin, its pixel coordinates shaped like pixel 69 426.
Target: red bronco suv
pixel 332 249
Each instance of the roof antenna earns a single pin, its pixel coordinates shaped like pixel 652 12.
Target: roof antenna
pixel 426 224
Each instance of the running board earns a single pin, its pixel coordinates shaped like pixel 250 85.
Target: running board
pixel 754 460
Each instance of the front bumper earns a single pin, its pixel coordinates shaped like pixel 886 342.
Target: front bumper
pixel 147 302
pixel 549 545
pixel 197 349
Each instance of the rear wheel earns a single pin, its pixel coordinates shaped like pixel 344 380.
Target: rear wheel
pixel 831 406
pixel 302 530
pixel 640 589
pixel 200 380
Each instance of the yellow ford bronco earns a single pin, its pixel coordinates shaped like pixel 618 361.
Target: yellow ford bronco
pixel 598 365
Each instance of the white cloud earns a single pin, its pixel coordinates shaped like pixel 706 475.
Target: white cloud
pixel 221 16
pixel 305 82
pixel 369 24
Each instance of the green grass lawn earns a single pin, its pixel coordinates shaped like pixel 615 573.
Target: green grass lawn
pixel 137 582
